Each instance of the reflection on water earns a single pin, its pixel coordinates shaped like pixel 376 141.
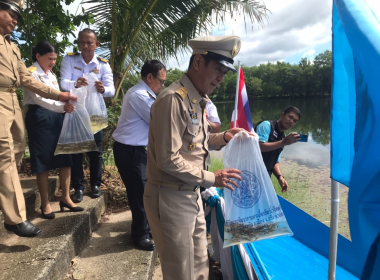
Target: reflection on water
pixel 315 122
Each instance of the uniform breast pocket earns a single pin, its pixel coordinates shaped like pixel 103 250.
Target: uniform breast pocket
pixel 77 72
pixel 193 129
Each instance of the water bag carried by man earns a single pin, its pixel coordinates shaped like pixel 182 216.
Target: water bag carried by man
pixel 253 211
pixel 76 134
pixel 95 104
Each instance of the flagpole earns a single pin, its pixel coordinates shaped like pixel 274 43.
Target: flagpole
pixel 333 228
pixel 237 94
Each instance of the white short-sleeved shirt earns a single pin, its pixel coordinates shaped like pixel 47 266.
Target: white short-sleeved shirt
pixel 263 130
pixel 133 125
pixel 49 79
pixel 73 67
pixel 212 113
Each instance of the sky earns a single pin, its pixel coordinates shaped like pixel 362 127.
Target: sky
pixel 293 29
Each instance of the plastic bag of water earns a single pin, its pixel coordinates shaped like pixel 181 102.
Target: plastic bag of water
pixel 95 104
pixel 253 211
pixel 76 134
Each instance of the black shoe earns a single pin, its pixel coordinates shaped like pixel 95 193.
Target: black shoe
pixel 49 216
pixel 72 209
pixel 95 191
pixel 77 196
pixel 24 229
pixel 145 244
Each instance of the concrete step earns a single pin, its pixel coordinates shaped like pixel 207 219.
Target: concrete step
pixel 48 256
pixel 111 255
pixel 32 198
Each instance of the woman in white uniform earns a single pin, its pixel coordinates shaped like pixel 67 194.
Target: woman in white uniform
pixel 43 121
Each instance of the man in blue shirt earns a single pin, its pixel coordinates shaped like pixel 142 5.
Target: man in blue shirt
pixel 272 141
pixel 131 139
pixel 73 66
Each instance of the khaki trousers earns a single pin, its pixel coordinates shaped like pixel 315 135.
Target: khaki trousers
pixel 12 147
pixel 178 226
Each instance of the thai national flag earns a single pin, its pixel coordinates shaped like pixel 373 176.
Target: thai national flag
pixel 244 119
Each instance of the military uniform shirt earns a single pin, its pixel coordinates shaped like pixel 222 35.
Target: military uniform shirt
pixel 173 130
pixel 74 66
pixel 14 73
pixel 49 80
pixel 133 125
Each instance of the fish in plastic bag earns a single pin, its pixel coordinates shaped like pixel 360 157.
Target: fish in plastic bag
pixel 253 211
pixel 95 105
pixel 76 134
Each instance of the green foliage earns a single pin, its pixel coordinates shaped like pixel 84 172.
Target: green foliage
pixel 132 31
pixel 172 75
pixel 47 20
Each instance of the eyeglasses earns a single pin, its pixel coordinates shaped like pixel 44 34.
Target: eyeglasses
pixel 161 81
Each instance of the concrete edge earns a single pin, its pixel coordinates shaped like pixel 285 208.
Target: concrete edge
pixel 33 201
pixel 74 242
pixel 152 265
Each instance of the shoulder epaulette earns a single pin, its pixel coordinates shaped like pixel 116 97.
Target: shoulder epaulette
pixel 102 59
pixel 72 53
pixel 32 69
pixel 151 94
pixel 182 92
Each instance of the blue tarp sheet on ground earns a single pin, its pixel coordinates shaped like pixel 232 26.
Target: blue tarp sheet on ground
pixel 355 126
pixel 305 255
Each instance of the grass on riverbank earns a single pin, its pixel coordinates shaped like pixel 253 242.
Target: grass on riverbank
pixel 299 186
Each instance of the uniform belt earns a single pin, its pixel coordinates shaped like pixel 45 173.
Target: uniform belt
pixel 174 186
pixel 8 89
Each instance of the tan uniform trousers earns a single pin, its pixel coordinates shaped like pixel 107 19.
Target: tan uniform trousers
pixel 178 226
pixel 12 147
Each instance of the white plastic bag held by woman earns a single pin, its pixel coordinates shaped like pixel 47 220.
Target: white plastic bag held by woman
pixel 95 104
pixel 76 134
pixel 253 211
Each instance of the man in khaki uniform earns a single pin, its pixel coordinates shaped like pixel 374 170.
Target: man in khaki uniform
pixel 178 159
pixel 13 73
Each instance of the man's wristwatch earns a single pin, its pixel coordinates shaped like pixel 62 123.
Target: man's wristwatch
pixel 278 176
pixel 224 138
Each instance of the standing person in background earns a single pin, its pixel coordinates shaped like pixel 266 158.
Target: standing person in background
pixel 212 117
pixel 131 139
pixel 272 141
pixel 13 73
pixel 214 122
pixel 44 120
pixel 178 159
pixel 73 66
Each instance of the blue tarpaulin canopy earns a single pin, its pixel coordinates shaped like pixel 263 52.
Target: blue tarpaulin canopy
pixel 355 125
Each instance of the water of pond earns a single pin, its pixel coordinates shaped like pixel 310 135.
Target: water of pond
pixel 315 122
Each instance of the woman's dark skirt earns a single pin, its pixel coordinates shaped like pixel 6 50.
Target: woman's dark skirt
pixel 44 127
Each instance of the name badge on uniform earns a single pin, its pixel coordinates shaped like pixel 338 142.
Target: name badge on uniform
pixel 193 116
pixel 275 134
pixel 95 70
pixel 80 69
